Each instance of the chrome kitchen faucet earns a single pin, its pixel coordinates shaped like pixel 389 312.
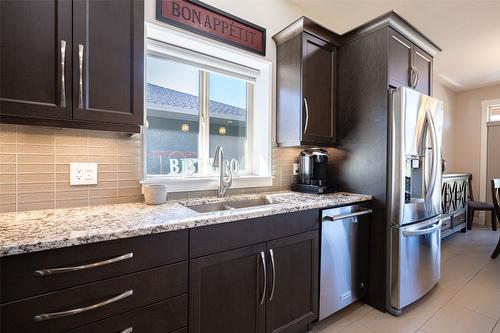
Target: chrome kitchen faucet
pixel 224 184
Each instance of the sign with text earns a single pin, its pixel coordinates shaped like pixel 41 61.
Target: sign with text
pixel 211 22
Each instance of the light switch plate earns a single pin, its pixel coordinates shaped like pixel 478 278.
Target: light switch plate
pixel 295 170
pixel 83 174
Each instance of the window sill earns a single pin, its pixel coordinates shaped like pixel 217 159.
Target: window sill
pixel 187 184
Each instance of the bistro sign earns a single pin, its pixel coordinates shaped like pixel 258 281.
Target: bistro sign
pixel 211 22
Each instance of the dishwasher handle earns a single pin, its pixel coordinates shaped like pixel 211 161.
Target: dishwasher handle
pixel 333 218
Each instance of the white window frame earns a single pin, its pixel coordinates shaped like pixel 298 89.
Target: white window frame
pixel 213 56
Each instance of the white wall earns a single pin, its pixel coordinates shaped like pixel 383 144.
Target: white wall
pixel 449 98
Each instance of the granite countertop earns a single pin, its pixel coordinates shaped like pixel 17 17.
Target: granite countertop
pixel 34 231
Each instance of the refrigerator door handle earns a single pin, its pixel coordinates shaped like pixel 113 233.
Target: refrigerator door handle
pixel 434 164
pixel 421 232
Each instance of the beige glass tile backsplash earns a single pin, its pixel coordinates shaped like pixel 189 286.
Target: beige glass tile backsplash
pixel 34 168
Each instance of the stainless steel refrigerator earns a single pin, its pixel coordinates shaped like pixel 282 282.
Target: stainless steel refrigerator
pixel 414 196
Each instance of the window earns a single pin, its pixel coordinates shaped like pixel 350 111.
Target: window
pixel 494 113
pixel 199 95
pixel 191 111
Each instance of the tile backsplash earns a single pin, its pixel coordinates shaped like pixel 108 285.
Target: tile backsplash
pixel 34 168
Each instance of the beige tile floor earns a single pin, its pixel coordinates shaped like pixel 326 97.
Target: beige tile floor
pixel 466 300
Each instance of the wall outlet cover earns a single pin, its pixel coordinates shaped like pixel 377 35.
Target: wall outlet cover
pixel 83 173
pixel 295 171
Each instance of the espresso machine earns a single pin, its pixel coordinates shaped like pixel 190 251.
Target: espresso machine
pixel 313 165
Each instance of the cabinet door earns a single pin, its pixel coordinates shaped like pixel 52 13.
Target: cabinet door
pixel 293 282
pixel 319 60
pixel 400 59
pixel 226 292
pixel 422 62
pixel 108 55
pixel 35 62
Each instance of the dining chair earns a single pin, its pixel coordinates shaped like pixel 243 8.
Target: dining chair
pixel 495 194
pixel 474 206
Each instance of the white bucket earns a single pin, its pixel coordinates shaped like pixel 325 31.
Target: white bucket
pixel 155 194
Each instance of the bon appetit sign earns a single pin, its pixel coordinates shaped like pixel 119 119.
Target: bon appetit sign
pixel 211 22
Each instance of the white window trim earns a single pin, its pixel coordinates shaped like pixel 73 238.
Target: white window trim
pixel 249 67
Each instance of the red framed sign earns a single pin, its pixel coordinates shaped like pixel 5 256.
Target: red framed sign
pixel 198 17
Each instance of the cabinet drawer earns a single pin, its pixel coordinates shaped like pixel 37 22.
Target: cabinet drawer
pixel 458 219
pixel 108 298
pixel 27 275
pixel 207 240
pixel 446 223
pixel 162 317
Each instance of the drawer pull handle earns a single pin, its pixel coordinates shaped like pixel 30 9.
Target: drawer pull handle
pixel 50 271
pixel 128 330
pixel 53 315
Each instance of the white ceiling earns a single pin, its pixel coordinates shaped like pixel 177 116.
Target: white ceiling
pixel 467 31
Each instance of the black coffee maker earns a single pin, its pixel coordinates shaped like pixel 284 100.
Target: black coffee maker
pixel 313 165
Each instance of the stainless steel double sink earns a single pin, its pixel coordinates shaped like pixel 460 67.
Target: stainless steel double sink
pixel 230 205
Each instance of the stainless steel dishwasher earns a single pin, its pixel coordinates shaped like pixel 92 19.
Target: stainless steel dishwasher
pixel 344 257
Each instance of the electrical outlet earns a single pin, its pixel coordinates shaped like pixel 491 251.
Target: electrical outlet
pixel 83 173
pixel 295 171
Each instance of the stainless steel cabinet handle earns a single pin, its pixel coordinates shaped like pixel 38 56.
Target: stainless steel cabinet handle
pixel 413 77
pixel 80 81
pixel 128 330
pixel 329 218
pixel 307 115
pixel 417 80
pixel 53 315
pixel 271 254
pixel 421 232
pixel 263 259
pixel 50 271
pixel 63 85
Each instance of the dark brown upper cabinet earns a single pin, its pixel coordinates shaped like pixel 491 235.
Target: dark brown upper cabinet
pixel 35 61
pixel 306 85
pixel 409 65
pixel 108 46
pixel 422 64
pixel 78 64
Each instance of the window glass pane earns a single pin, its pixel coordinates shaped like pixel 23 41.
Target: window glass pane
pixel 228 118
pixel 173 104
pixel 495 114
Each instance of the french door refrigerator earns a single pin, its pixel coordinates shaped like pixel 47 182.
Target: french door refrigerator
pixel 414 196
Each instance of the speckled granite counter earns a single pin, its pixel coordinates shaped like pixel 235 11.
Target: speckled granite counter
pixel 49 229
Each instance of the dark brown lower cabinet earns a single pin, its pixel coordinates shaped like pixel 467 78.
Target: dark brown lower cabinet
pixel 162 317
pixel 293 291
pixel 70 308
pixel 227 292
